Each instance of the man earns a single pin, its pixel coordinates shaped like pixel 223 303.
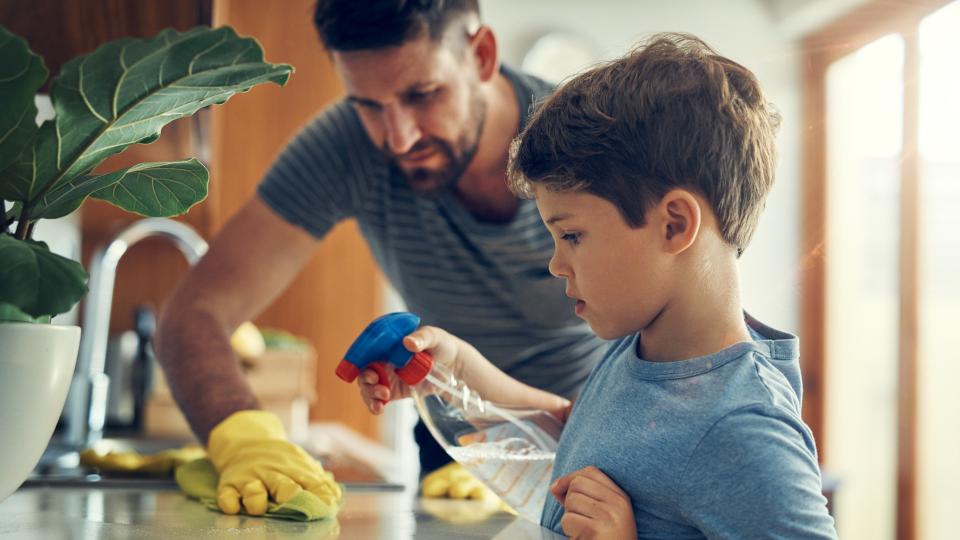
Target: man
pixel 417 153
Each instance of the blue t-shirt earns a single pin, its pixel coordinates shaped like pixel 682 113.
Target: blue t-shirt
pixel 708 447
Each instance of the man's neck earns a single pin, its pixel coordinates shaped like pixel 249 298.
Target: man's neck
pixel 483 188
pixel 703 319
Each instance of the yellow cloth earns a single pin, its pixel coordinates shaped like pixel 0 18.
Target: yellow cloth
pixel 257 463
pixel 198 479
pixel 159 464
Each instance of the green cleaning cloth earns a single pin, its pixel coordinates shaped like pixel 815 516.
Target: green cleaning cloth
pixel 198 479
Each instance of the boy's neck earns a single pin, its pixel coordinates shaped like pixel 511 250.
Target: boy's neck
pixel 701 320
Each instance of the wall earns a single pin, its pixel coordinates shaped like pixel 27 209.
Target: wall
pixel 743 30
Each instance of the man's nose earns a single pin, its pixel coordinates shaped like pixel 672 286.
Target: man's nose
pixel 402 131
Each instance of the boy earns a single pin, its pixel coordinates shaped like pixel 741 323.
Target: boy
pixel 650 172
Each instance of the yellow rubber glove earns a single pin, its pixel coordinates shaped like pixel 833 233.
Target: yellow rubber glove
pixel 254 458
pixel 159 464
pixel 452 481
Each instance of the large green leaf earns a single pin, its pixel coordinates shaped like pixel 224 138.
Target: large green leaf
pixel 149 189
pixel 11 313
pixel 127 90
pixel 37 281
pixel 21 75
pixel 13 211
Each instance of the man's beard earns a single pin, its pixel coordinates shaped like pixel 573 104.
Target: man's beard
pixel 455 157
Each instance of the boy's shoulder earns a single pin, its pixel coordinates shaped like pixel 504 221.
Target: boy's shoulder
pixel 748 376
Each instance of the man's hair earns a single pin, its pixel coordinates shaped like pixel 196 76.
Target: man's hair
pixel 670 114
pixel 351 25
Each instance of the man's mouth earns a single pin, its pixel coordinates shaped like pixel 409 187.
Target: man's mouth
pixel 419 154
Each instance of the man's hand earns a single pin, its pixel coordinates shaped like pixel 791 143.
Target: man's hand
pixel 442 346
pixel 256 463
pixel 594 506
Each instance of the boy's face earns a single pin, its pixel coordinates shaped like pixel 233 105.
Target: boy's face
pixel 420 103
pixel 617 274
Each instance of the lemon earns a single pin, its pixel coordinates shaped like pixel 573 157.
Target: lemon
pixel 247 341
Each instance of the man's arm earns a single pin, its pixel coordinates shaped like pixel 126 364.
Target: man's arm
pixel 250 262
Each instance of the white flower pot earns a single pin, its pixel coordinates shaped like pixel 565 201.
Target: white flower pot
pixel 36 366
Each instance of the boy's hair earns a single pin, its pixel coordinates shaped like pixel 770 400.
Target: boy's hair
pixel 351 25
pixel 670 114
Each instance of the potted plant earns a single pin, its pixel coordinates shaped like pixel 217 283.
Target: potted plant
pixel 121 94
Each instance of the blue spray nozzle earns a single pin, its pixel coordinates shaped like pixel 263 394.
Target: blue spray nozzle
pixel 382 342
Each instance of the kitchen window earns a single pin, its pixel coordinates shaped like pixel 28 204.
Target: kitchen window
pixel 881 287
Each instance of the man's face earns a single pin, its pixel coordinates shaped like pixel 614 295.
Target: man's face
pixel 619 275
pixel 420 103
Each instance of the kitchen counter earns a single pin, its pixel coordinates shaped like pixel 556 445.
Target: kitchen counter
pixel 87 513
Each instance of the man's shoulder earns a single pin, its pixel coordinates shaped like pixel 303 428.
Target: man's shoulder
pixel 537 87
pixel 530 89
pixel 331 156
pixel 335 121
pixel 335 136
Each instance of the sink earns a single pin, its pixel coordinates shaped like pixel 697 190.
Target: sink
pixel 60 465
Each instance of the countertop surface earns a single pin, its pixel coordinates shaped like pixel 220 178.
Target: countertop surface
pixel 82 513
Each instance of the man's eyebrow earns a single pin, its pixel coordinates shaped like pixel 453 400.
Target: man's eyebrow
pixel 558 217
pixel 364 101
pixel 412 89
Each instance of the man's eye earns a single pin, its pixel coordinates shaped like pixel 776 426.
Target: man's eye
pixel 366 106
pixel 420 97
pixel 572 238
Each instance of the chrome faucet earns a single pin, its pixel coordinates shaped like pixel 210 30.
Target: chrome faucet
pixel 86 408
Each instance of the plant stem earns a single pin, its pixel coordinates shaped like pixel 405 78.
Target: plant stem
pixel 24 226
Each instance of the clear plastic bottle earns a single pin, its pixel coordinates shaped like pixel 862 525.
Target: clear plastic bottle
pixel 510 450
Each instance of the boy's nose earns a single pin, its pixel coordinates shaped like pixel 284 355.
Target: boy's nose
pixel 402 131
pixel 556 268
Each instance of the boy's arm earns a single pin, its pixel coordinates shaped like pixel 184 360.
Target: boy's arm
pixel 755 475
pixel 469 366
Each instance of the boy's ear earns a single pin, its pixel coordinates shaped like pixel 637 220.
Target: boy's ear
pixel 679 215
pixel 483 46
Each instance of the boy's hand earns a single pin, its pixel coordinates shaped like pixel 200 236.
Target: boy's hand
pixel 594 506
pixel 439 343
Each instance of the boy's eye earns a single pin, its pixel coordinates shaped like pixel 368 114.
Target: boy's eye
pixel 572 238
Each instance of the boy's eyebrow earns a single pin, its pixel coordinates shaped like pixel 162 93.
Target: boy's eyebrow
pixel 555 218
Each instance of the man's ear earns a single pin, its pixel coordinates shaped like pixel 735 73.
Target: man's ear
pixel 679 217
pixel 483 47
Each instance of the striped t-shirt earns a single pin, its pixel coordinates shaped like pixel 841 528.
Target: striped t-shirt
pixel 486 283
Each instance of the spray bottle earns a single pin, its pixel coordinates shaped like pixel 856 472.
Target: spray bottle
pixel 510 450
